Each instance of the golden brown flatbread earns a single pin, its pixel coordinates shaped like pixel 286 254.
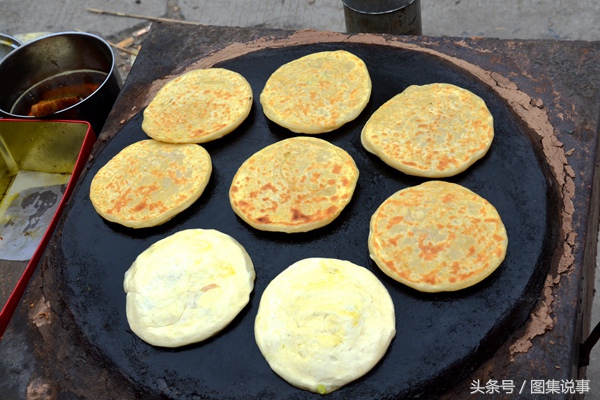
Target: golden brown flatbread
pixel 317 93
pixel 187 287
pixel 295 185
pixel 434 131
pixel 322 323
pixel 437 236
pixel 149 182
pixel 199 106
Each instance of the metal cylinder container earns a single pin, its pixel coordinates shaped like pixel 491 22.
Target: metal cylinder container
pixel 398 17
pixel 7 45
pixel 52 63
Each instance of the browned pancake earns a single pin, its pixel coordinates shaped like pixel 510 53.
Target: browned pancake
pixel 199 106
pixel 294 185
pixel 149 182
pixel 317 93
pixel 437 236
pixel 435 130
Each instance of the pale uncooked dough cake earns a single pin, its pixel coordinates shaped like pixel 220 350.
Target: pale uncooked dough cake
pixel 434 131
pixel 322 323
pixel 317 93
pixel 437 236
pixel 187 287
pixel 149 182
pixel 199 106
pixel 294 185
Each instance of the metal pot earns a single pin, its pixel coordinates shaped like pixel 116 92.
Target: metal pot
pixel 57 61
pixel 7 45
pixel 398 17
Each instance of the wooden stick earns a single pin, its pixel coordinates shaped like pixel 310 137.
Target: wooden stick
pixel 125 49
pixel 157 19
pixel 128 41
pixel 141 32
pixel 116 45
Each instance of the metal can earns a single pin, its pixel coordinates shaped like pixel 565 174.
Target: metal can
pixel 398 17
pixel 8 44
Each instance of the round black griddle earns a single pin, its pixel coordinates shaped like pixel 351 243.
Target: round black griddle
pixel 440 337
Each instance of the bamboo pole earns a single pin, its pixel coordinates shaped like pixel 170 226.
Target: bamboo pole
pixel 149 18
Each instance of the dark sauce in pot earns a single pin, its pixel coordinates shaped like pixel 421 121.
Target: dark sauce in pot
pixel 58 92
